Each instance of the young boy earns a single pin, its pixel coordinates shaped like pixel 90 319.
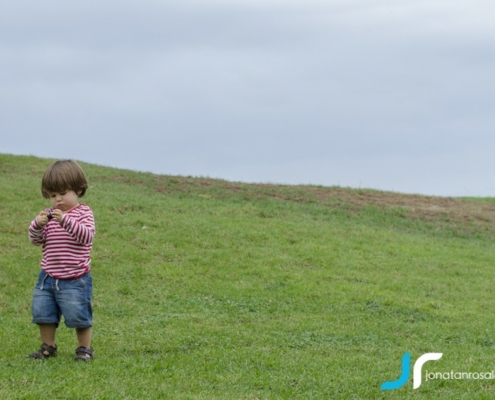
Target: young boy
pixel 65 231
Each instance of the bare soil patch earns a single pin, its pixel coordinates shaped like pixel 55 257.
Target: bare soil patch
pixel 442 210
pixel 429 208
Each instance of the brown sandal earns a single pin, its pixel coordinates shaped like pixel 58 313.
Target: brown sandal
pixel 44 352
pixel 84 353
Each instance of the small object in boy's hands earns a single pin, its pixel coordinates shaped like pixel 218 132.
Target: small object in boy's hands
pixel 50 216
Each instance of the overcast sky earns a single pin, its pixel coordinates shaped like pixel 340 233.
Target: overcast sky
pixel 386 94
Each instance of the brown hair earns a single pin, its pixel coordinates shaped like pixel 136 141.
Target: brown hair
pixel 64 175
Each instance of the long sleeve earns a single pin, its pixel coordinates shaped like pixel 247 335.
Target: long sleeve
pixel 82 229
pixel 36 234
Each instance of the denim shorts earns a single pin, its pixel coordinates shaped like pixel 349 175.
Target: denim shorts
pixel 56 297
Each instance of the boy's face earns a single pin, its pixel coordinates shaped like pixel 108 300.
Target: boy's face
pixel 64 201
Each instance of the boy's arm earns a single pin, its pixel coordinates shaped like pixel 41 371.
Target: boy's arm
pixel 81 229
pixel 35 233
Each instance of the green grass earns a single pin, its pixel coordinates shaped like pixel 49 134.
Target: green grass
pixel 207 289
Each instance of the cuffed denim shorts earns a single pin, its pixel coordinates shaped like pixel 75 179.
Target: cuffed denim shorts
pixel 56 297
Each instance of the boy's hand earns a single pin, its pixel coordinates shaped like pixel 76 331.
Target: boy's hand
pixel 42 219
pixel 57 215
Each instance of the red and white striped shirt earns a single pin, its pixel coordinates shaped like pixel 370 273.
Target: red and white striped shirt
pixel 66 245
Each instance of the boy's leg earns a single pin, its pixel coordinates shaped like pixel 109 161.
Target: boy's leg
pixel 74 300
pixel 84 351
pixel 46 314
pixel 47 333
pixel 84 337
pixel 48 347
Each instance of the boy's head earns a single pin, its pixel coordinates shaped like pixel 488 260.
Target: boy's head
pixel 62 176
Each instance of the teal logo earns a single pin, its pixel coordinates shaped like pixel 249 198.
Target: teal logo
pixel 406 371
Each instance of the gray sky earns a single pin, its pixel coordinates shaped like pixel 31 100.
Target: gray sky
pixel 385 94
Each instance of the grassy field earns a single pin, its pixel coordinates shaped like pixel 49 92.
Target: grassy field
pixel 208 289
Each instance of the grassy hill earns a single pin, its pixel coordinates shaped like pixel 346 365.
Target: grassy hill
pixel 208 289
